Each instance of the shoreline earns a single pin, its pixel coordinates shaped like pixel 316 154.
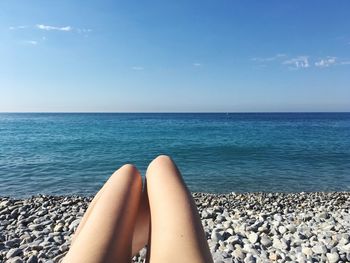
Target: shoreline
pixel 240 227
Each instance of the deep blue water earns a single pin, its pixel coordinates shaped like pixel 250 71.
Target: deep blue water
pixel 216 152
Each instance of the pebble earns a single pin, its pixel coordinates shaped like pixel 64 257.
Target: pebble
pixel 238 253
pixel 265 241
pixel 216 236
pixel 15 260
pixel 307 251
pixel 13 252
pixel 333 257
pixel 319 249
pixel 32 259
pixel 282 229
pixel 58 227
pixel 253 237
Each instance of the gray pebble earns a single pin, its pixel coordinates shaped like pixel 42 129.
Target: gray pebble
pixel 253 237
pixel 13 252
pixel 265 241
pixel 216 236
pixel 32 259
pixel 319 249
pixel 333 257
pixel 15 260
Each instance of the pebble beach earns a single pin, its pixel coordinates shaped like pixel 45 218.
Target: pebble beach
pixel 250 227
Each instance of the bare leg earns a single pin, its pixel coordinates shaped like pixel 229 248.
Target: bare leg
pixel 177 234
pixel 142 225
pixel 106 234
pixel 87 214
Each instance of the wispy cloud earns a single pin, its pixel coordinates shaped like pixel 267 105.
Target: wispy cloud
pixel 84 30
pixel 30 42
pixel 17 27
pixel 196 64
pixel 49 28
pixel 52 28
pixel 329 61
pixel 137 68
pixel 297 62
pixel 81 31
pixel 268 59
pixel 301 62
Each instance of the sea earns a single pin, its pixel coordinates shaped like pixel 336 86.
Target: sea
pixel 75 153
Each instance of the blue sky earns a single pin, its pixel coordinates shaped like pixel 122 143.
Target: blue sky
pixel 174 56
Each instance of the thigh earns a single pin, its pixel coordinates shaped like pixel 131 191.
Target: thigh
pixel 87 214
pixel 177 234
pixel 107 232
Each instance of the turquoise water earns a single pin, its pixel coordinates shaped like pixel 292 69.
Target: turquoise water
pixel 219 152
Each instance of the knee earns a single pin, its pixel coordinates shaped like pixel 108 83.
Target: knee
pixel 129 168
pixel 128 172
pixel 161 160
pixel 163 165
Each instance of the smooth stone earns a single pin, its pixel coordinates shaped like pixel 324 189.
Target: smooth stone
pixel 277 217
pixel 35 227
pixel 253 237
pixel 218 257
pixel 58 257
pixel 291 228
pixel 63 247
pixel 204 214
pixel 319 249
pixel 238 253
pixel 307 251
pixel 216 236
pixel 66 203
pixel 58 227
pixel 263 229
pixel 219 219
pixel 273 256
pixel 333 257
pixel 13 242
pixel 13 252
pixel 249 258
pixel 15 260
pixel 282 229
pixel 300 257
pixel 265 241
pixel 74 224
pixel 346 248
pixel 143 253
pixel 4 203
pixel 230 231
pixel 233 240
pixel 280 244
pixel 32 259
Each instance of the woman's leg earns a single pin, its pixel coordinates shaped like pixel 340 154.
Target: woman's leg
pixel 106 235
pixel 141 231
pixel 87 214
pixel 142 225
pixel 177 234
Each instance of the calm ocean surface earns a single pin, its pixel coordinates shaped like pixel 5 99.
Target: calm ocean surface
pixel 216 152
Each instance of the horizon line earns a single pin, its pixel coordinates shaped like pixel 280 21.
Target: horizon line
pixel 162 112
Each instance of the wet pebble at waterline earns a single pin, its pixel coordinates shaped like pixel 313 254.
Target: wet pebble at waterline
pixel 256 227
